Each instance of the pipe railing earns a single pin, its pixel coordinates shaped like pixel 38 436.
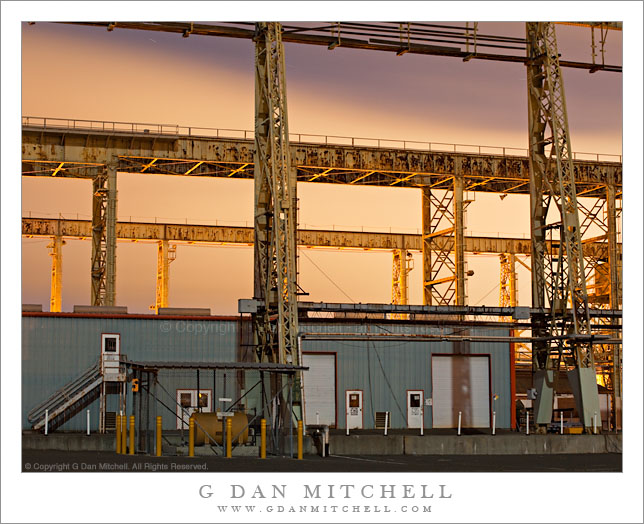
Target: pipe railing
pixel 304 138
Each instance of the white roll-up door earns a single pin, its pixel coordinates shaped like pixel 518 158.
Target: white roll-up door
pixel 461 383
pixel 319 388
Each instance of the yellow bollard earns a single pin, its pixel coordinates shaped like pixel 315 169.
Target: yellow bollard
pixel 118 434
pixel 262 442
pixel 229 437
pixel 123 434
pixel 131 434
pixel 300 435
pixel 191 437
pixel 159 437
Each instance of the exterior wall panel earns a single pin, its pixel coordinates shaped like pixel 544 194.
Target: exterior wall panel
pixel 56 350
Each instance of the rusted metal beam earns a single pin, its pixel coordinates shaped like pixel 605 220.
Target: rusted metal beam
pixel 339 164
pixel 194 233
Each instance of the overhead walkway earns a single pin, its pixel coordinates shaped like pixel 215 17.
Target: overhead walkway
pixel 68 401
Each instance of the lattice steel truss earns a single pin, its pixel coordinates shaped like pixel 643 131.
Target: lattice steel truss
pixel 558 276
pixel 275 322
pixel 166 254
pixel 56 246
pixel 99 240
pixel 443 244
pixel 103 291
pixel 508 281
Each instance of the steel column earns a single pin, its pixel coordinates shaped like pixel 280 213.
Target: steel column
pixel 275 248
pixel 165 255
pixel 459 234
pixel 110 235
pixel 56 246
pixel 99 206
pixel 426 245
pixel 615 300
pixel 552 180
pixel 402 265
pixel 508 296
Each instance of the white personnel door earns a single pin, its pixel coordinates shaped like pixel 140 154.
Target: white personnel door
pixel 415 408
pixel 461 383
pixel 354 408
pixel 319 388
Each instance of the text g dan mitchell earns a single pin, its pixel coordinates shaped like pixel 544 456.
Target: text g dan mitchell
pixel 329 491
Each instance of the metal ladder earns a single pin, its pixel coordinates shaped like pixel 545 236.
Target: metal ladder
pixel 68 400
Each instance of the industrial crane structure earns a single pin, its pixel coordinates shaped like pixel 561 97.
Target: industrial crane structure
pixel 561 326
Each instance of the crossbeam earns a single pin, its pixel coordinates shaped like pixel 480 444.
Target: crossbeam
pixel 181 152
pixel 237 235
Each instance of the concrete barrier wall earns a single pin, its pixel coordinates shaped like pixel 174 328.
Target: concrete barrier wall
pixel 70 442
pixel 474 444
pixel 389 445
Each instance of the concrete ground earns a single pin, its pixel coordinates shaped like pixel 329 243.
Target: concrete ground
pixel 102 461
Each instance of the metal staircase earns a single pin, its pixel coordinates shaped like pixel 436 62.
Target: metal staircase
pixel 68 401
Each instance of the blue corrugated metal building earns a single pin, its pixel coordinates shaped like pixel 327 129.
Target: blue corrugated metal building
pixel 56 348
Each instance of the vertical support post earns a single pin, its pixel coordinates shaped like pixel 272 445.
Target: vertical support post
pixel 229 437
pixel 615 299
pixel 191 437
pixel 300 438
pixel 110 235
pixel 88 423
pixel 508 295
pixel 165 255
pixel 552 181
pixel 561 422
pixel 262 443
pixel 427 251
pixel 527 422
pixel 132 435
pixel 459 234
pixel 198 393
pixel 402 265
pixel 56 246
pixel 459 423
pixel 386 422
pixel 118 434
pixel 159 435
pixel 494 423
pixel 46 422
pixel 123 433
pixel 99 207
pixel 275 284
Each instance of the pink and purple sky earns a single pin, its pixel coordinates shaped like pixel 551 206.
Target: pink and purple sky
pixel 138 76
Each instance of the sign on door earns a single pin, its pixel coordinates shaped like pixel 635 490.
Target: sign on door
pixel 354 409
pixel 415 409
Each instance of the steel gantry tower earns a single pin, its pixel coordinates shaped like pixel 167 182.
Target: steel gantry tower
pixel 558 277
pixel 104 236
pixel 275 322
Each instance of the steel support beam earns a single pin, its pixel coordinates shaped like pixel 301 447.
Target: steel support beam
pixel 110 235
pixel 615 301
pixel 402 265
pixel 552 181
pixel 56 246
pixel 83 147
pixel 99 244
pixel 275 195
pixel 459 234
pixel 165 255
pixel 508 293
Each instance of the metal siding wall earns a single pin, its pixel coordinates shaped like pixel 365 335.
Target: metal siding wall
pixel 56 350
pixel 407 365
